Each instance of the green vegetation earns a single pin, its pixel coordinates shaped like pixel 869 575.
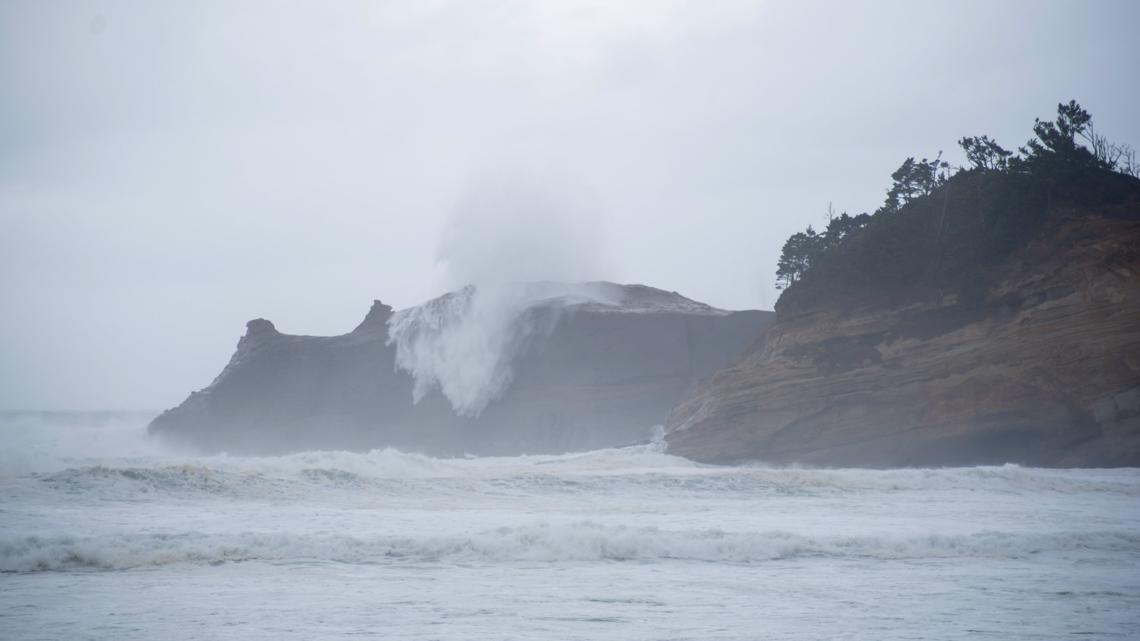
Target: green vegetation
pixel 941 226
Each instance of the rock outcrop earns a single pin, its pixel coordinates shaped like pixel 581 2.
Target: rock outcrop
pixel 1042 369
pixel 605 369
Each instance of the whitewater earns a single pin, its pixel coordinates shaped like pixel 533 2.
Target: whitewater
pixel 105 534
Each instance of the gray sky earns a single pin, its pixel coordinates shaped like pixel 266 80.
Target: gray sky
pixel 171 170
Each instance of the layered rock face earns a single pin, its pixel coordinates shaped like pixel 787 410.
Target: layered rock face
pixel 1045 371
pixel 597 369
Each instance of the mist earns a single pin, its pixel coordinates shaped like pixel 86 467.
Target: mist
pixel 170 172
pixel 569 319
pixel 518 226
pixel 513 240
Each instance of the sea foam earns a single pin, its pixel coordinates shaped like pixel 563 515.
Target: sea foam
pixel 542 543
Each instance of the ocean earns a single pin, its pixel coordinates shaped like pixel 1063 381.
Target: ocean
pixel 105 534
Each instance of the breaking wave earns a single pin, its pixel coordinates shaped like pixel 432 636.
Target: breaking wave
pixel 642 469
pixel 581 541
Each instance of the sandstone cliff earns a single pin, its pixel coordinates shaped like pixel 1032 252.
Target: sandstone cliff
pixel 604 367
pixel 1042 367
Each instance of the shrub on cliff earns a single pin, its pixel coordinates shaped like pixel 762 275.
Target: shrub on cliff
pixel 941 231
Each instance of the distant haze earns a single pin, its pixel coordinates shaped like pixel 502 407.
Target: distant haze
pixel 171 170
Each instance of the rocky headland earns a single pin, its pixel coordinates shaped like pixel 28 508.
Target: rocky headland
pixel 580 367
pixel 1046 372
pixel 992 317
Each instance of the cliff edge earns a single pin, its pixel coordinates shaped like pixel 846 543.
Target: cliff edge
pixel 538 368
pixel 937 349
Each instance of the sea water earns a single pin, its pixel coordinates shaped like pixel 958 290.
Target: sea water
pixel 106 535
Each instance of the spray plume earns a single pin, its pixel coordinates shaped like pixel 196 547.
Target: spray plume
pixel 510 246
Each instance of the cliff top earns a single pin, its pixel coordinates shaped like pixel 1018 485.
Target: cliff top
pixel 601 297
pixel 616 298
pixel 943 231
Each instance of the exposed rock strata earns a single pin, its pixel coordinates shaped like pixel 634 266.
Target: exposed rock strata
pixel 1046 371
pixel 608 371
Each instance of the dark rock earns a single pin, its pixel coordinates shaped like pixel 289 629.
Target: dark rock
pixel 608 370
pixel 1044 371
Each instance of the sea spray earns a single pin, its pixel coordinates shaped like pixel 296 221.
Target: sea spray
pixel 465 343
pixel 511 234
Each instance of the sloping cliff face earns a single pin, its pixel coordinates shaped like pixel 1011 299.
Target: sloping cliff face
pixel 594 370
pixel 1044 371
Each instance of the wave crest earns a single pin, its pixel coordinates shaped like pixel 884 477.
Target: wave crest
pixel 582 541
pixel 643 469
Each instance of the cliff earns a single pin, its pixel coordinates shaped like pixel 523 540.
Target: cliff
pixel 1028 355
pixel 575 368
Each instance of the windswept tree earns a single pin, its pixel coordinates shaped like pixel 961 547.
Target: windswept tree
pixel 1117 157
pixel 1056 140
pixel 985 154
pixel 1058 145
pixel 914 179
pixel 842 226
pixel 804 249
pixel 1065 153
pixel 797 256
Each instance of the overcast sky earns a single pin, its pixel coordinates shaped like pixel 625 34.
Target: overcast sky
pixel 170 170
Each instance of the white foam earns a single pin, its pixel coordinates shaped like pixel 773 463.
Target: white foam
pixel 465 343
pixel 643 468
pixel 639 468
pixel 581 541
pixel 280 536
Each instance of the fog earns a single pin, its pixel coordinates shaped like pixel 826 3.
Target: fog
pixel 169 171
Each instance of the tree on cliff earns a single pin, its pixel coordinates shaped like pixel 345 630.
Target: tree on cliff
pixel 938 228
pixel 915 179
pixel 841 226
pixel 1121 158
pixel 796 257
pixel 804 248
pixel 985 154
pixel 1056 141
